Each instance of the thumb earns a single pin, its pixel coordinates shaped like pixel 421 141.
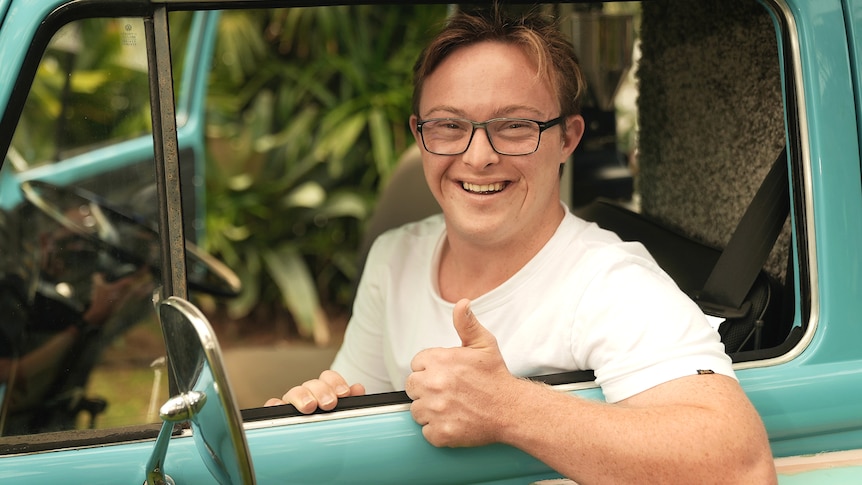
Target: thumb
pixel 472 333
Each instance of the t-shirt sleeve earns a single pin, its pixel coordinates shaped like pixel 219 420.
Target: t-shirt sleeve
pixel 360 358
pixel 637 330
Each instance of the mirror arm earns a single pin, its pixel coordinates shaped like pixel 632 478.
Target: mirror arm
pixel 155 471
pixel 178 409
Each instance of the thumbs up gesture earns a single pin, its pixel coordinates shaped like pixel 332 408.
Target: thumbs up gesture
pixel 473 334
pixel 458 393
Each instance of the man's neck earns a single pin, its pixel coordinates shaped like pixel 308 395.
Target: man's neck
pixel 469 269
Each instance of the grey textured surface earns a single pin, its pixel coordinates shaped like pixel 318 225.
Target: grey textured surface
pixel 711 115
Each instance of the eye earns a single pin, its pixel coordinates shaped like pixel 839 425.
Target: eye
pixel 516 125
pixel 453 125
pixel 446 127
pixel 515 128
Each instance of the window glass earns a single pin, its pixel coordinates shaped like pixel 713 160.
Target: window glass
pixel 80 254
pixel 90 90
pixel 82 347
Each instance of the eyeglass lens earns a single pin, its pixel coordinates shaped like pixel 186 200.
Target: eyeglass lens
pixel 507 136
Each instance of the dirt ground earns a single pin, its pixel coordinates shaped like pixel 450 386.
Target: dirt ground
pixel 141 343
pixel 266 358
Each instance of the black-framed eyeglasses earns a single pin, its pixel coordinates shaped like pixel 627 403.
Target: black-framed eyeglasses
pixel 507 136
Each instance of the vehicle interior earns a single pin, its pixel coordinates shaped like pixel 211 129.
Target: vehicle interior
pixel 692 148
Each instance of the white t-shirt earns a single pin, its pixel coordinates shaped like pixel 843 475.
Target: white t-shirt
pixel 587 300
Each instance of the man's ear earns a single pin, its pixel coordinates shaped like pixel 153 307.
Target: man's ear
pixel 574 133
pixel 412 121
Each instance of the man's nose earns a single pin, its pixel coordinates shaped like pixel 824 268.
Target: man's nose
pixel 480 153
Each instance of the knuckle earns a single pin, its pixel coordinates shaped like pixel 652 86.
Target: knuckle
pixel 298 391
pixel 331 378
pixel 438 406
pixel 301 398
pixel 437 383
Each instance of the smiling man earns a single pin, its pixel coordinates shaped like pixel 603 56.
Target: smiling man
pixel 508 283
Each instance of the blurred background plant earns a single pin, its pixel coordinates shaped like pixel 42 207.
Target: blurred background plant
pixel 307 115
pixel 85 64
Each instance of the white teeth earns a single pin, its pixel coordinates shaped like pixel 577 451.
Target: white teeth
pixel 483 189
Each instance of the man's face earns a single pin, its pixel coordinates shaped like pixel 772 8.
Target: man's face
pixel 488 198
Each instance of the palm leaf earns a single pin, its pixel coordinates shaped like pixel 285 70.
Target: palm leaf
pixel 298 292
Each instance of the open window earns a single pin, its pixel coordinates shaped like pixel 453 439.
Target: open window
pixel 691 105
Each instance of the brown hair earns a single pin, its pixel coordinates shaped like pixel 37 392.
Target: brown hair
pixel 538 35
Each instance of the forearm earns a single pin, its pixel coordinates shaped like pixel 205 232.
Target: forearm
pixel 680 442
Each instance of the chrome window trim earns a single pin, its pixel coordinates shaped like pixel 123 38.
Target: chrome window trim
pixel 807 241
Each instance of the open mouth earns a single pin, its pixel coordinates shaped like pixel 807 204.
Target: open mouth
pixel 484 188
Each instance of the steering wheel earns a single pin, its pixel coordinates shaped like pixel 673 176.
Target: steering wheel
pixel 126 240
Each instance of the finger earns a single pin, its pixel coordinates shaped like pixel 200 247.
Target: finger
pixel 431 436
pixel 325 394
pixel 410 387
pixel 273 402
pixel 357 390
pixel 309 396
pixel 418 363
pixel 336 383
pixel 471 332
pixel 417 414
pixel 301 398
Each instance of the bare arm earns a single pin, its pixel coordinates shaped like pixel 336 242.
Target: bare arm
pixel 697 429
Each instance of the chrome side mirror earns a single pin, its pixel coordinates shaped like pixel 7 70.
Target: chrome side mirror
pixel 205 399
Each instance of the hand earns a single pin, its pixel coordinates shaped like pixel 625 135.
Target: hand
pixel 320 393
pixel 459 393
pixel 107 297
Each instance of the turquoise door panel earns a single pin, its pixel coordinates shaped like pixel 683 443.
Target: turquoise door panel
pixel 810 403
pixel 832 476
pixel 386 448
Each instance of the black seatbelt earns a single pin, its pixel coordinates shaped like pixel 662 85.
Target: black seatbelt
pixel 741 261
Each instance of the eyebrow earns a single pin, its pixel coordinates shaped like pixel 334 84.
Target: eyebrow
pixel 503 112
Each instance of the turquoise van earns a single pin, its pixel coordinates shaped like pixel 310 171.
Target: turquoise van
pixel 723 134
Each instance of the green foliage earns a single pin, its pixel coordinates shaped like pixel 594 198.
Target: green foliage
pixel 308 112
